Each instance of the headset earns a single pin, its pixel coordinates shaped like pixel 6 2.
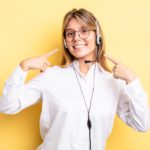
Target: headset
pixel 65 45
pixel 98 35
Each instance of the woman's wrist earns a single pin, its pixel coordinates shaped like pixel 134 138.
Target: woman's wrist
pixel 131 78
pixel 24 66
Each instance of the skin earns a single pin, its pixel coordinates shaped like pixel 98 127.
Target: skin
pixel 41 62
pixel 81 49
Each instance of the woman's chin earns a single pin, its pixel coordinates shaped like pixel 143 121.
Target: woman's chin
pixel 78 56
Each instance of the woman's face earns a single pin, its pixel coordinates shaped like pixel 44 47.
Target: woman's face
pixel 79 47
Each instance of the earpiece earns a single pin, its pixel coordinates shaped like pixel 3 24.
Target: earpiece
pixel 65 45
pixel 98 41
pixel 98 35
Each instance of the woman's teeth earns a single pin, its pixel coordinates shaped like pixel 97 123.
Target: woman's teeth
pixel 78 46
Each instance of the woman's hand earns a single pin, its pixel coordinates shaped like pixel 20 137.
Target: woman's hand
pixel 120 71
pixel 40 62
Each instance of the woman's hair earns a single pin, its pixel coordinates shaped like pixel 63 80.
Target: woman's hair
pixel 86 18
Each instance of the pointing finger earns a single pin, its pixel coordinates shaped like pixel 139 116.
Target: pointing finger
pixel 113 60
pixel 47 63
pixel 51 52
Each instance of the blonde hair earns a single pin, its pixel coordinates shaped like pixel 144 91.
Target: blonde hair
pixel 87 18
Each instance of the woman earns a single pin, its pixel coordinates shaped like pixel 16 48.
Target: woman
pixel 79 100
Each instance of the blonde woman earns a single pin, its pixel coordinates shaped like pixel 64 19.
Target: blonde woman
pixel 80 99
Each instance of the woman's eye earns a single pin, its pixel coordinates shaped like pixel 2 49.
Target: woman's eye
pixel 69 34
pixel 83 31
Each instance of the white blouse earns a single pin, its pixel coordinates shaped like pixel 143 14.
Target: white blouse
pixel 63 120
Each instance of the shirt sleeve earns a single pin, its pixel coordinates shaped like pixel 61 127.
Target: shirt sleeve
pixel 17 95
pixel 133 106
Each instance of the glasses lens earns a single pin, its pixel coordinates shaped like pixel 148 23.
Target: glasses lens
pixel 69 35
pixel 82 33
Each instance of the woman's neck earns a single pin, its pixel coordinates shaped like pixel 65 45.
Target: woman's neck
pixel 84 67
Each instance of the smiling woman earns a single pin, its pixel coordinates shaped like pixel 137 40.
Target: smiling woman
pixel 89 37
pixel 80 100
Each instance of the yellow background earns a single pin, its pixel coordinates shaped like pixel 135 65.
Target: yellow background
pixel 33 27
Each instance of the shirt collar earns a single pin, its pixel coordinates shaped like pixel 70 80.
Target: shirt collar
pixel 76 65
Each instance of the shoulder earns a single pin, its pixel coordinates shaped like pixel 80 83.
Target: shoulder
pixel 106 74
pixel 53 73
pixel 109 79
pixel 56 71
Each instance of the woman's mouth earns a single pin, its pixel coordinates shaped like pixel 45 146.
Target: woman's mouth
pixel 79 46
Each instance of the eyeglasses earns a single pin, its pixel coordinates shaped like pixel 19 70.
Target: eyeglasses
pixel 70 34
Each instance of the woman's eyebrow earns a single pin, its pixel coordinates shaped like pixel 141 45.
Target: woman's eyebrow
pixel 68 29
pixel 82 27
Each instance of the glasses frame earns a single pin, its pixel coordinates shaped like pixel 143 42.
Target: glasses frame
pixel 79 34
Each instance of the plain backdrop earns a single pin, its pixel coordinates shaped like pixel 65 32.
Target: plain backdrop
pixel 33 27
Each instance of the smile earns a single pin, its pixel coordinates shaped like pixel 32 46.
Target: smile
pixel 78 46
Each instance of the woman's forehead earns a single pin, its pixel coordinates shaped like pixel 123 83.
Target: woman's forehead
pixel 75 23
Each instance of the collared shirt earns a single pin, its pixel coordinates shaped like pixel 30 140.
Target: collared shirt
pixel 63 120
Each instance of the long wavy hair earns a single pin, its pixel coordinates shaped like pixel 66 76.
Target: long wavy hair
pixel 86 18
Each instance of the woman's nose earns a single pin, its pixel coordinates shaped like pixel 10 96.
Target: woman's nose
pixel 76 35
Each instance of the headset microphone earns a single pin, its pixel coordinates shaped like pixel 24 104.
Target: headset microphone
pixel 88 61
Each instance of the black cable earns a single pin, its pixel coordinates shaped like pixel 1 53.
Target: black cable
pixel 89 124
